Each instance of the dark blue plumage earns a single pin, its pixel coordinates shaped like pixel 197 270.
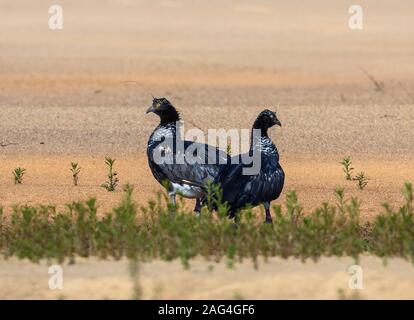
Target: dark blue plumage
pixel 240 189
pixel 199 162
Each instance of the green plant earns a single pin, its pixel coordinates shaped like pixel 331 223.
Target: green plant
pixel 409 197
pixel 346 163
pixel 214 200
pixel 75 169
pixel 149 232
pixel 362 180
pixel 18 174
pixel 113 180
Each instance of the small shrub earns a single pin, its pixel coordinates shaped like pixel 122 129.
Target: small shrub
pixel 214 200
pixel 75 169
pixel 18 174
pixel 362 180
pixel 347 163
pixel 409 197
pixel 113 180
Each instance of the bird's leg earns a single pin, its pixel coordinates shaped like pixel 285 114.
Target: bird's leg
pixel 236 216
pixel 268 215
pixel 172 198
pixel 172 206
pixel 197 209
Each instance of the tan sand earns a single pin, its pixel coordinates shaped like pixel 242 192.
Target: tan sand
pixel 277 279
pixel 49 181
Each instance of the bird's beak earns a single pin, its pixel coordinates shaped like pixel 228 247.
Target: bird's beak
pixel 277 122
pixel 150 109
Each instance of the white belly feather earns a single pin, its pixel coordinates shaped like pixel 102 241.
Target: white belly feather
pixel 188 191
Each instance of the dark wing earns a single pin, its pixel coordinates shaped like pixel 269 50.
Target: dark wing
pixel 240 190
pixel 195 164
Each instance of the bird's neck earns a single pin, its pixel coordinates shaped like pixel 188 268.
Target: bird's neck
pixel 166 130
pixel 169 117
pixel 259 125
pixel 261 141
pixel 162 133
pixel 258 133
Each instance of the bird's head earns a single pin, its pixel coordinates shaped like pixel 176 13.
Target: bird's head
pixel 266 119
pixel 164 109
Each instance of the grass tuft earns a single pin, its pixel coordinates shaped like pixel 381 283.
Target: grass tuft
pixel 75 169
pixel 347 167
pixel 113 180
pixel 18 174
pixel 362 180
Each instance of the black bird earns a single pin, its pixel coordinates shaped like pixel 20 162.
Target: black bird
pixel 241 189
pixel 183 167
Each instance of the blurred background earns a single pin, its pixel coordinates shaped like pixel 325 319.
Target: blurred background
pixel 213 60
